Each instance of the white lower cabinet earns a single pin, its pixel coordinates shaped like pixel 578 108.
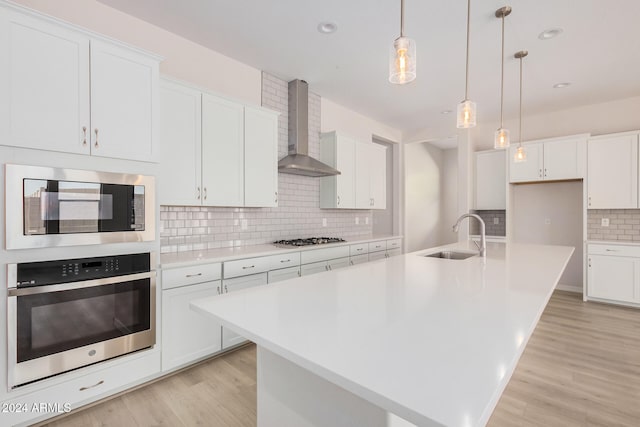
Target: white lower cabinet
pixel 614 273
pixel 283 274
pixel 374 256
pixel 230 338
pixel 335 264
pixel 313 268
pixel 359 259
pixel 186 335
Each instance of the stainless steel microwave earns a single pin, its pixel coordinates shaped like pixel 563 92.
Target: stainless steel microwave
pixel 49 207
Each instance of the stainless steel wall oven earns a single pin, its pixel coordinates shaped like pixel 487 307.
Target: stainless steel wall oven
pixel 49 207
pixel 66 314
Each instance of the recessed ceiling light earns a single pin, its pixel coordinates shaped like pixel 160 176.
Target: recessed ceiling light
pixel 550 33
pixel 561 85
pixel 327 27
pixel 446 112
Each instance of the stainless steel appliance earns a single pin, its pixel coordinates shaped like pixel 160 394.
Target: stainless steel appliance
pixel 49 207
pixel 308 241
pixel 66 314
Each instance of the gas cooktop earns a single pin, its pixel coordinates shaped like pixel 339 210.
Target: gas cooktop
pixel 308 241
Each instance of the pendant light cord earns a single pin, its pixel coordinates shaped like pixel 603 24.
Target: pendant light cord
pixel 501 77
pixel 466 81
pixel 401 18
pixel 520 126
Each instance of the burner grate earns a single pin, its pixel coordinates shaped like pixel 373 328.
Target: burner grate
pixel 309 241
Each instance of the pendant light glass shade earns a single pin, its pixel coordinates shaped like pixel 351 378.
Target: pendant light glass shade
pixel 502 139
pixel 402 61
pixel 520 156
pixel 466 114
pixel 467 108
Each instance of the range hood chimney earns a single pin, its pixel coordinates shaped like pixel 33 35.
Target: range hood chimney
pixel 298 161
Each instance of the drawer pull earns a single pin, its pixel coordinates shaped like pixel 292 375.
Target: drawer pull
pixel 226 290
pixel 285 260
pixel 194 275
pixel 92 386
pixel 612 250
pixel 248 266
pixel 359 249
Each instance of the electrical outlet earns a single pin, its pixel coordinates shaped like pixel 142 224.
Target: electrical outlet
pixel 604 222
pixel 324 222
pixel 366 220
pixel 547 221
pixel 496 221
pixel 357 220
pixel 243 224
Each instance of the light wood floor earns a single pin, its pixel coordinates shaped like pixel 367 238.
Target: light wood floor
pixel 580 368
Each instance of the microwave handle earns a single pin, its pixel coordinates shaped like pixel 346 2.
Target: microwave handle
pixel 20 292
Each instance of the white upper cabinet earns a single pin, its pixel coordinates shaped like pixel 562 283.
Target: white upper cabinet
pixel 338 191
pixel 222 152
pixel 66 90
pixel 491 180
pixel 362 180
pixel 260 156
pixel 612 180
pixel 44 85
pixel 552 159
pixel 215 152
pixel 124 89
pixel 181 145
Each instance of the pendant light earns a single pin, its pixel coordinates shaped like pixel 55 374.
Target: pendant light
pixel 467 108
pixel 501 139
pixel 520 155
pixel 402 61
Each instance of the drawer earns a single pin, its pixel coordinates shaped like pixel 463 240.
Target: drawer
pixel 283 274
pixel 244 267
pixel 325 254
pixel 394 244
pixel 291 259
pixel 394 252
pixel 359 249
pixel 377 246
pixel 374 256
pixel 613 250
pixel 183 276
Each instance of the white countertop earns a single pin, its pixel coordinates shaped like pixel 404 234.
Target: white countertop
pixel 427 339
pixel 183 259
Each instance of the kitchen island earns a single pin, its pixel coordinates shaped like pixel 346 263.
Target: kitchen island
pixel 406 340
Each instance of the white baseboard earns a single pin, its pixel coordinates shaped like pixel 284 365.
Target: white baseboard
pixel 569 288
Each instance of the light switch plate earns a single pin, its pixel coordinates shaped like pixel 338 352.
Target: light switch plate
pixel 366 220
pixel 604 222
pixel 357 220
pixel 324 222
pixel 496 221
pixel 547 221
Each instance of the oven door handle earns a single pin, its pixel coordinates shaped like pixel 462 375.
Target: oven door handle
pixel 19 292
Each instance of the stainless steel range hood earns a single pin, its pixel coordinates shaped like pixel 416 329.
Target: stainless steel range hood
pixel 298 161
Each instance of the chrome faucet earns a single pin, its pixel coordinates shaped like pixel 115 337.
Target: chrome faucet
pixel 482 247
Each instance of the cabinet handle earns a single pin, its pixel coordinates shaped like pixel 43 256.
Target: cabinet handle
pixel 589 200
pixel 326 267
pixel 92 386
pixel 545 172
pixel 226 290
pixel 612 250
pixel 285 260
pixel 218 289
pixel 359 249
pixel 198 193
pixel 540 173
pixel 194 275
pixel 386 254
pixel 329 265
pixel 249 266
pixel 299 273
pixel 350 262
pixel 589 262
pixel 84 136
pixel 96 131
pixel 205 193
pixel 276 197
pixel 338 199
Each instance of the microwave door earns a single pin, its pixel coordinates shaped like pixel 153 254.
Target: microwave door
pixel 121 218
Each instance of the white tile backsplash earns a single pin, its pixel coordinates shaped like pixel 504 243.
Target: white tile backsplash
pixel 297 215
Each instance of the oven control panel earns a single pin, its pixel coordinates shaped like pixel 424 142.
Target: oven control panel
pixel 81 269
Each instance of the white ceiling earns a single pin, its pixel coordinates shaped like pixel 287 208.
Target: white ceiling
pixel 598 51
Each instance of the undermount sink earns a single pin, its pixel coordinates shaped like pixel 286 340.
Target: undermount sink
pixel 451 255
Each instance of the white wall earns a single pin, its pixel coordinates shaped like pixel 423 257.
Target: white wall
pixel 560 204
pixel 336 117
pixel 449 195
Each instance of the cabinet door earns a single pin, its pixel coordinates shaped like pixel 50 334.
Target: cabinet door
pixel 316 267
pixel 612 172
pixel 260 158
pixel 180 136
pixel 613 278
pixel 359 259
pixel 363 177
pixel 564 159
pixel 378 176
pixel 346 164
pixel 187 335
pixel 373 256
pixel 230 338
pixel 529 170
pixel 491 183
pixel 44 85
pixel 335 264
pixel 283 274
pixel 222 152
pixel 124 105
